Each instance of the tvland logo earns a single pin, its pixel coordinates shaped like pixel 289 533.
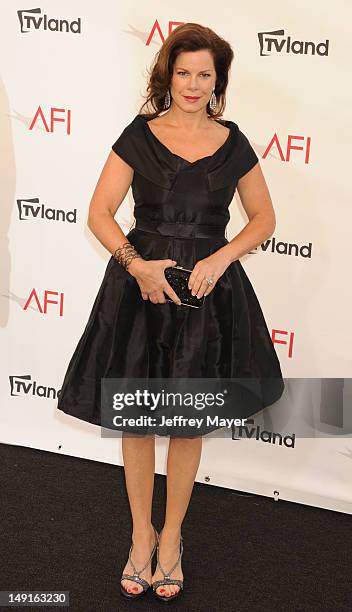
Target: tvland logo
pixel 30 208
pixel 276 42
pixel 270 437
pixel 285 248
pixel 23 385
pixel 31 19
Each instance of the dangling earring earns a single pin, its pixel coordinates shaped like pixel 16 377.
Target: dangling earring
pixel 167 99
pixel 213 101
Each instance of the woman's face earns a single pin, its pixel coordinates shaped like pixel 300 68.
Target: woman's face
pixel 193 80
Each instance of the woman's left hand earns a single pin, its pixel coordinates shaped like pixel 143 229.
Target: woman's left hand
pixel 211 267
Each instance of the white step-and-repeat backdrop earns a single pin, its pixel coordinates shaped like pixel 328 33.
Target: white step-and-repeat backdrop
pixel 73 76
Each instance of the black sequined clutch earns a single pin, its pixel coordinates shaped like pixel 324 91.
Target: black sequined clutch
pixel 178 278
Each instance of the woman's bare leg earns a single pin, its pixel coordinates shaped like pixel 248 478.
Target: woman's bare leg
pixel 139 463
pixel 182 465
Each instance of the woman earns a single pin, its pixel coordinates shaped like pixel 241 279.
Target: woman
pixel 184 166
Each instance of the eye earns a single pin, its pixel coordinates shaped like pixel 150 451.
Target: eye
pixel 184 72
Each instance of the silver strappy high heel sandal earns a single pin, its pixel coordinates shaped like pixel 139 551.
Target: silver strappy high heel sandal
pixel 167 580
pixel 136 576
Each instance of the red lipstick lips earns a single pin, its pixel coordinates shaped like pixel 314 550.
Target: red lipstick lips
pixel 191 98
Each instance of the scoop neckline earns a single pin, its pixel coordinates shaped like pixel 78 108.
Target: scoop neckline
pixel 196 161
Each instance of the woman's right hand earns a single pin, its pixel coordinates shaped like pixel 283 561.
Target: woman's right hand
pixel 151 279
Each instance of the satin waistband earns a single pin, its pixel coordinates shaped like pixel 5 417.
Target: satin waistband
pixel 180 229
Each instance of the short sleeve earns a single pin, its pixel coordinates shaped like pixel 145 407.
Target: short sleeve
pixel 234 161
pixel 246 157
pixel 135 147
pixel 126 147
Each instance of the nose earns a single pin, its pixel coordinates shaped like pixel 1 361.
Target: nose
pixel 193 84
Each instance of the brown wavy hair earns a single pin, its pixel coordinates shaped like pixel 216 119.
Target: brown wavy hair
pixel 187 37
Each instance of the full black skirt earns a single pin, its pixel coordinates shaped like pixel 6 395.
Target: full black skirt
pixel 128 337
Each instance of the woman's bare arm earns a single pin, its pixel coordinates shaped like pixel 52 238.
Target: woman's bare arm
pixel 256 201
pixel 110 191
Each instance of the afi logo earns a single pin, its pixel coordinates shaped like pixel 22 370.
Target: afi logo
pixel 31 19
pixel 156 28
pixel 286 156
pixel 288 342
pixel 274 42
pixel 33 297
pixel 39 117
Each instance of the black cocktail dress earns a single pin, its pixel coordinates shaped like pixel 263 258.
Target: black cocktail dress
pixel 181 212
